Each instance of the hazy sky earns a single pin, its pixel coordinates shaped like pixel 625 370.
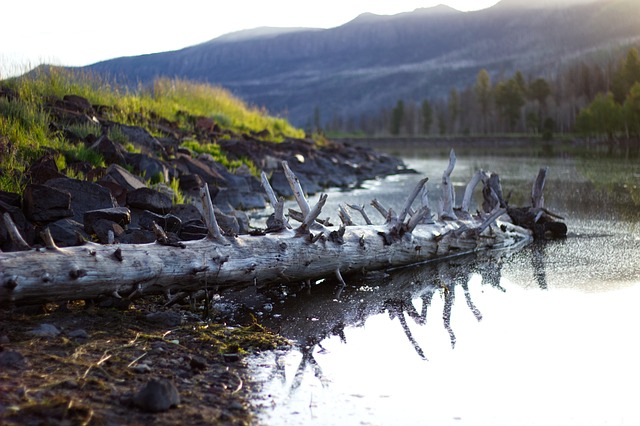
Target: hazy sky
pixel 76 32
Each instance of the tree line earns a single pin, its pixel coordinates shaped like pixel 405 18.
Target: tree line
pixel 598 100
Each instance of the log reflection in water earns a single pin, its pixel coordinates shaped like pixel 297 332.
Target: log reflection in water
pixel 317 313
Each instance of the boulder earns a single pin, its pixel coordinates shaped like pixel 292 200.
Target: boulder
pixel 168 222
pixel 111 151
pixel 46 204
pixel 24 227
pixel 42 170
pixel 119 215
pixel 68 232
pixel 101 228
pixel 85 196
pixel 142 139
pixel 149 199
pixel 118 174
pixel 148 166
pixel 78 104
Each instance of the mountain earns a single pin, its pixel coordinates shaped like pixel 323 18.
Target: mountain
pixel 372 61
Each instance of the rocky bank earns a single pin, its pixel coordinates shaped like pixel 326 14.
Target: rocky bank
pixel 115 204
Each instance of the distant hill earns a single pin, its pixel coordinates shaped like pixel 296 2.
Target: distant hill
pixel 372 61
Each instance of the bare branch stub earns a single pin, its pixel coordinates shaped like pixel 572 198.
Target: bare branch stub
pixel 296 187
pixel 537 197
pixel 209 214
pixel 411 198
pixel 19 242
pixel 362 212
pixel 448 194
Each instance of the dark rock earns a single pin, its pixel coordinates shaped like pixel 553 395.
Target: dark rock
pixel 149 199
pixel 42 170
pixel 85 196
pixel 11 199
pixel 157 395
pixel 78 103
pixel 228 224
pixel 68 232
pixel 101 228
pixel 148 166
pixel 45 204
pixel 187 165
pixel 239 200
pixel 118 192
pixel 78 334
pixel 168 222
pixel 137 236
pixel 45 330
pixel 111 151
pixel 121 176
pixel 168 318
pixel 198 363
pixel 191 183
pixel 12 360
pixel 24 227
pixel 119 215
pixel 186 212
pixel 142 139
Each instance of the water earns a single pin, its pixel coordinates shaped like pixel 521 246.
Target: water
pixel 544 335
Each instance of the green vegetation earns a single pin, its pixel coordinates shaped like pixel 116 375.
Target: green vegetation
pixel 213 149
pixel 616 114
pixel 25 118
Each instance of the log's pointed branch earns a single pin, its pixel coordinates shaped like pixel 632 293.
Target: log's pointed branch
pixel 277 204
pixel 209 214
pixel 344 215
pixel 49 243
pixel 314 213
pixel 537 197
pixel 19 242
pixel 388 214
pixel 362 212
pixel 294 183
pixel 424 199
pixel 448 194
pixel 493 216
pixel 417 218
pixel 471 186
pixel 411 198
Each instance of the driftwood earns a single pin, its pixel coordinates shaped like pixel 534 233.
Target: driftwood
pixel 309 252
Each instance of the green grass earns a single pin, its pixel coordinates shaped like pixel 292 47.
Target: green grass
pixel 25 134
pixel 214 150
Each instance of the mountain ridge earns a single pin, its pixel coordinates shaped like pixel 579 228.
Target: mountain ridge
pixel 373 60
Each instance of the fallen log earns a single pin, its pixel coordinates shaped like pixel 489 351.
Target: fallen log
pixel 309 252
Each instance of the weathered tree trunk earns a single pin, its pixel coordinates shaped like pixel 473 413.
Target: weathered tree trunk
pixel 309 252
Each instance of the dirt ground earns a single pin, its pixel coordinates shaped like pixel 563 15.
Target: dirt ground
pixel 88 368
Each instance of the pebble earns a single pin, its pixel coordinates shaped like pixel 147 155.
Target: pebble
pixel 169 319
pixel 12 360
pixel 78 334
pixel 157 395
pixel 45 330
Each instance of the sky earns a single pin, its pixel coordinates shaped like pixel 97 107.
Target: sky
pixel 80 32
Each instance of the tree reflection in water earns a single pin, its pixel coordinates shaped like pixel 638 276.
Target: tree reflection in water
pixel 316 314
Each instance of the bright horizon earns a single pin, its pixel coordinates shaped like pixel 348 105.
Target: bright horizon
pixel 78 33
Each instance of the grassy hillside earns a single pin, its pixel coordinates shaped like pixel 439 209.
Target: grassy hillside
pixel 27 131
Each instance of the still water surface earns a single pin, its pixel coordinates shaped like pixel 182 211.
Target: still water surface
pixel 546 335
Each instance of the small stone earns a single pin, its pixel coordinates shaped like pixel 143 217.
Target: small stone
pixel 12 359
pixel 157 395
pixel 169 319
pixel 141 368
pixel 197 363
pixel 45 330
pixel 78 334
